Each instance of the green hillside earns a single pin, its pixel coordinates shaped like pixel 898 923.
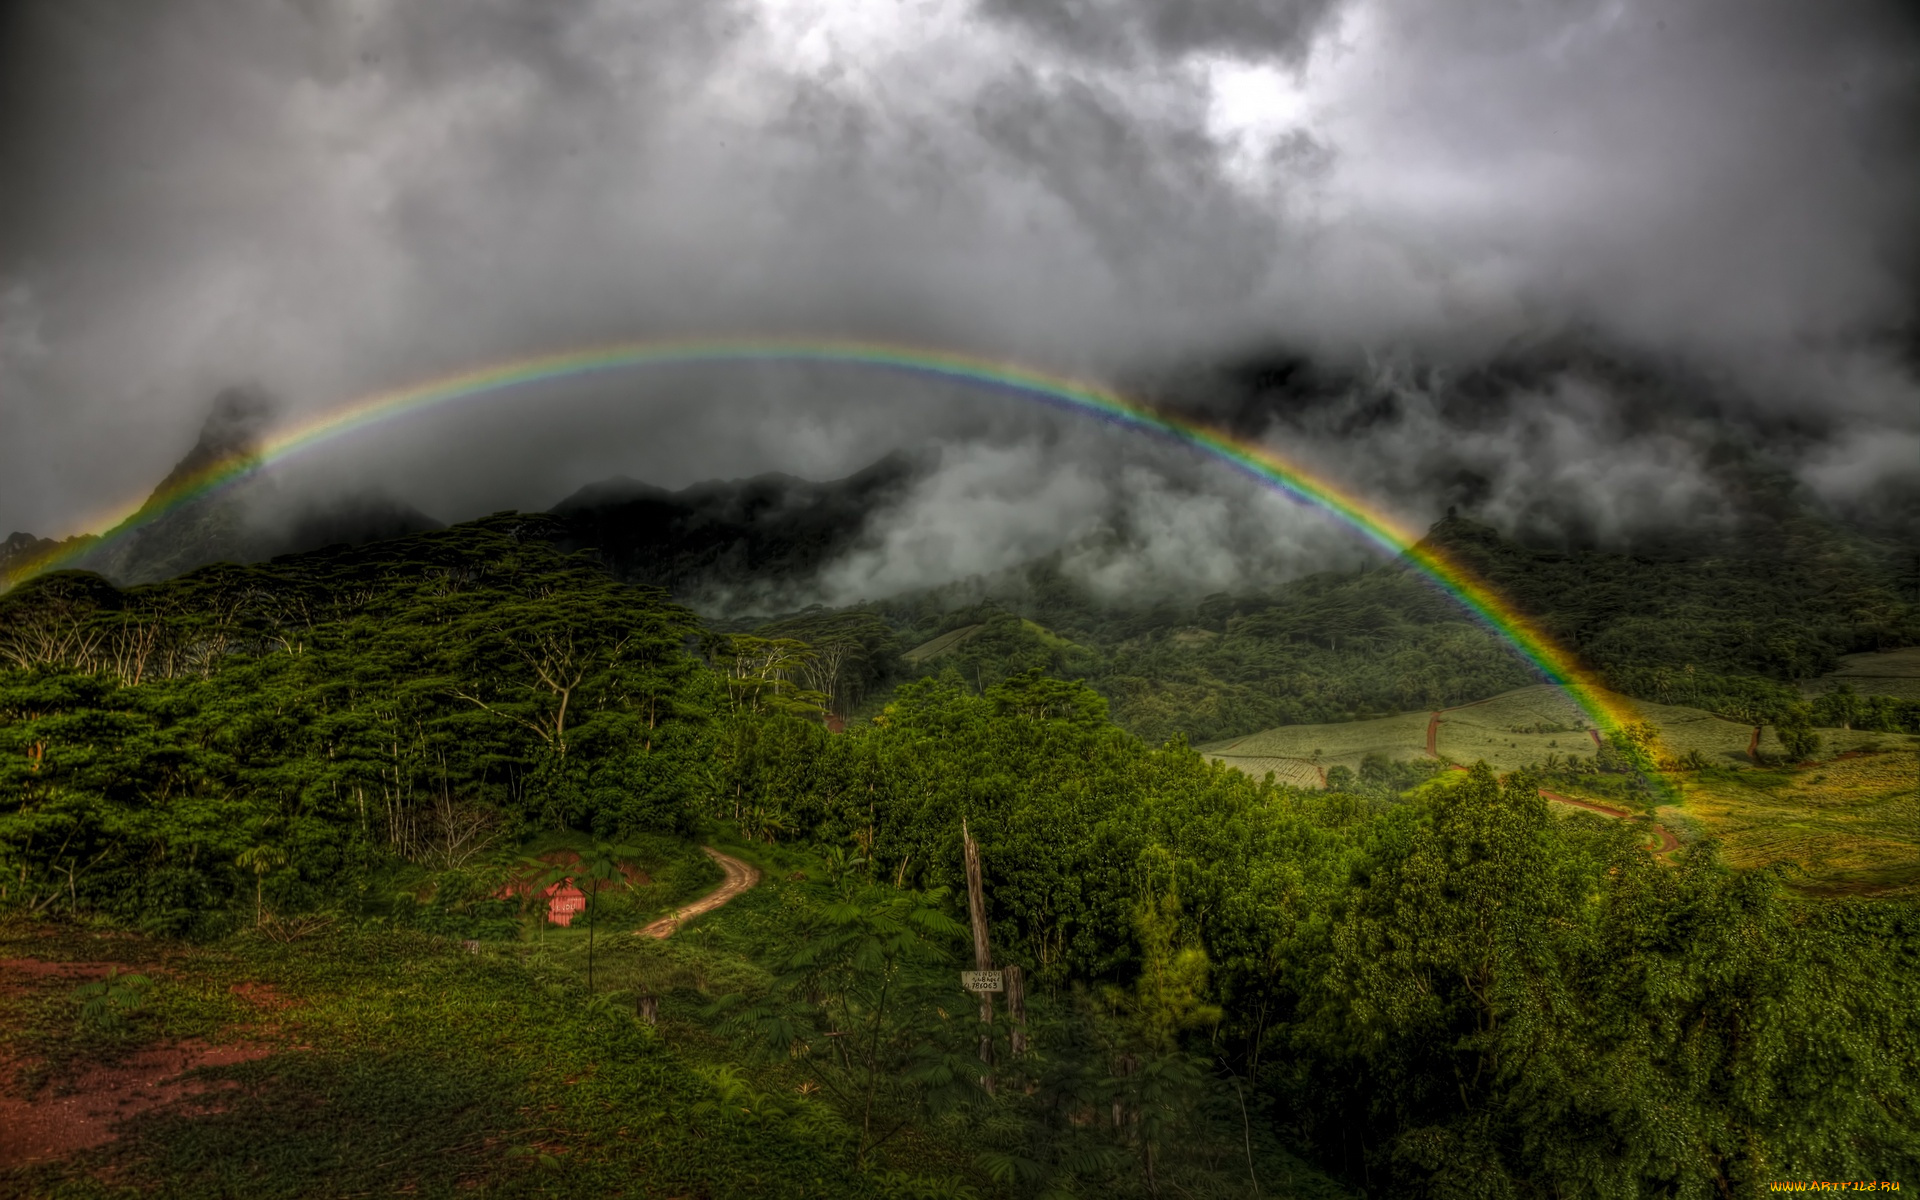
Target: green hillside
pixel 1888 673
pixel 298 797
pixel 935 647
pixel 1344 743
pixel 1741 625
pixel 1531 726
pixel 1847 820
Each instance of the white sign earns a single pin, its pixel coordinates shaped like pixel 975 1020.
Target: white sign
pixel 982 981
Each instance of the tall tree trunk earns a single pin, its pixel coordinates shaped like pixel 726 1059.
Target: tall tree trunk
pixel 982 954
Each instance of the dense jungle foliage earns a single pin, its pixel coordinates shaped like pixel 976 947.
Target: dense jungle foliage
pixel 1443 991
pixel 1733 631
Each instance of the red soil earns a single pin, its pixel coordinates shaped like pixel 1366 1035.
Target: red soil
pixel 1668 843
pixel 264 996
pixel 84 1112
pixel 19 976
pixel 15 972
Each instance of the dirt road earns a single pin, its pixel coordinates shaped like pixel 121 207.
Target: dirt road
pixel 1668 842
pixel 740 877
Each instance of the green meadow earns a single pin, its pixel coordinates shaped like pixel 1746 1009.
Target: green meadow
pixel 934 647
pixel 1883 673
pixel 1847 821
pixel 288 797
pixel 376 1060
pixel 1306 750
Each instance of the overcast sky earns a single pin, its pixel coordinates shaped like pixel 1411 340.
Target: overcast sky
pixel 327 198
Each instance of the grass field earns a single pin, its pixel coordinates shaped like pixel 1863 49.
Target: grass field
pixel 1849 825
pixel 1513 729
pixel 940 645
pixel 1848 822
pixel 1517 729
pixel 1299 772
pixel 369 1061
pixel 363 1060
pixel 1497 730
pixel 1888 673
pixel 1298 753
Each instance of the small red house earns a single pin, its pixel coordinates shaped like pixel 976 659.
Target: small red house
pixel 564 899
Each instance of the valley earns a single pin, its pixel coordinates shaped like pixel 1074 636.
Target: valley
pixel 959 601
pixel 1216 836
pixel 1846 821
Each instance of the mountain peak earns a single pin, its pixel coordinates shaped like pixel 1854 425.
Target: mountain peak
pixel 231 434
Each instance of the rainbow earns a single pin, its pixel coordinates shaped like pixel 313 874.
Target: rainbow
pixel 1259 463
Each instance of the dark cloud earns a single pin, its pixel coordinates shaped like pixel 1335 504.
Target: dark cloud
pixel 1442 228
pixel 1258 29
pixel 1148 195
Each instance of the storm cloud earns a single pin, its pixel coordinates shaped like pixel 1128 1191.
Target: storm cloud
pixel 329 198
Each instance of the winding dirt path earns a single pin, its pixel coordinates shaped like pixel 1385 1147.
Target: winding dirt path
pixel 1668 842
pixel 740 877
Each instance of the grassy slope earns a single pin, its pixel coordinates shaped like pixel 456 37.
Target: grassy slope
pixel 1292 751
pixel 1888 673
pixel 940 645
pixel 407 1065
pixel 1844 823
pixel 1847 825
pixel 1506 731
pixel 403 1065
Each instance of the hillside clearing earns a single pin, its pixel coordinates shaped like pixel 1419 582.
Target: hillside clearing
pixel 1886 673
pixel 1847 825
pixel 935 647
pixel 1849 822
pixel 1522 728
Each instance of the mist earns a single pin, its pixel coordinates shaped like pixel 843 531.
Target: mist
pixel 1545 262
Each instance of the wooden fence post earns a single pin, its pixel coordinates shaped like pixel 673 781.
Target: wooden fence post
pixel 982 954
pixel 1016 1009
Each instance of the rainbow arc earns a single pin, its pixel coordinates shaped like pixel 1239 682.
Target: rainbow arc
pixel 1260 463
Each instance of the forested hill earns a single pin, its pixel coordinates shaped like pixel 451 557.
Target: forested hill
pixel 330 765
pixel 1729 623
pixel 745 540
pixel 249 521
pixel 1781 600
pixel 730 542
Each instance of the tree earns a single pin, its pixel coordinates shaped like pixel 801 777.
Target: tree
pixel 260 859
pixel 857 1007
pixel 760 674
pixel 1800 742
pixel 597 869
pixel 601 867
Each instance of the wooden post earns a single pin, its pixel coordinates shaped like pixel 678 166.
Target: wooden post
pixel 1016 1009
pixel 1123 1068
pixel 982 954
